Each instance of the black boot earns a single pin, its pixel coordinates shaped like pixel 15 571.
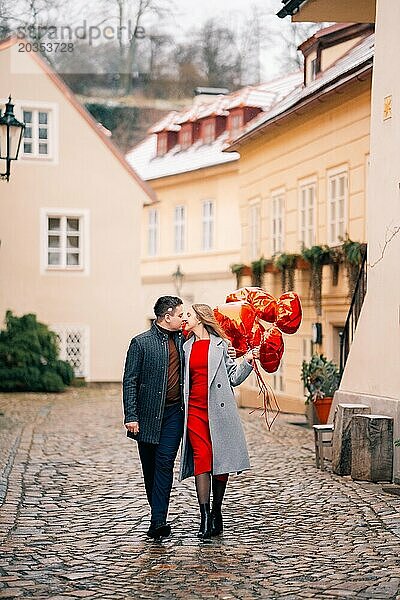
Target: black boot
pixel 205 523
pixel 216 521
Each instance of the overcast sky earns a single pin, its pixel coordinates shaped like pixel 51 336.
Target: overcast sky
pixel 189 13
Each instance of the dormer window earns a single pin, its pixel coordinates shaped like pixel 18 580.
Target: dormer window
pixel 162 143
pixel 235 124
pixel 186 136
pixel 165 141
pixel 313 69
pixel 208 131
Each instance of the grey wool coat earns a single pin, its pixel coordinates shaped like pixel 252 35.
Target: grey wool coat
pixel 227 437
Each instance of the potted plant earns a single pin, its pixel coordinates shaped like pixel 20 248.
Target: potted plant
pixel 321 378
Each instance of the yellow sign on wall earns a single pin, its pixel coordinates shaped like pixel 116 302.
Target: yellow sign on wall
pixel 387 107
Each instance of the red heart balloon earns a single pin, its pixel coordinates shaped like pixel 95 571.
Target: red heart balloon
pixel 241 294
pixel 271 350
pixel 265 305
pixel 256 335
pixel 240 316
pixel 232 333
pixel 289 313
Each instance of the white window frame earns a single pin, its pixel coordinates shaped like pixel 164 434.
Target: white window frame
pixel 308 231
pixel 208 225
pixel 64 213
pixel 277 221
pixel 153 228
pixel 62 331
pixel 179 229
pixel 337 227
pixel 53 139
pixel 255 228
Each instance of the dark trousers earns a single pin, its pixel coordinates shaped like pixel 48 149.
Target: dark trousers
pixel 158 462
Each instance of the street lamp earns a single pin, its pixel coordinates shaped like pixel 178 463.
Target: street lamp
pixel 178 279
pixel 10 138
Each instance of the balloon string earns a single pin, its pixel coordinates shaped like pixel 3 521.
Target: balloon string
pixel 271 407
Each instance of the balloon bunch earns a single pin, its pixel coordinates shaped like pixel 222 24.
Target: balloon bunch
pixel 253 318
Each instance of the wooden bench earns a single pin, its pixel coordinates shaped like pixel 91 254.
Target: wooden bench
pixel 321 442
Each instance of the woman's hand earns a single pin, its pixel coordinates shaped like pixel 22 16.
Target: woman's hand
pixel 250 356
pixel 231 352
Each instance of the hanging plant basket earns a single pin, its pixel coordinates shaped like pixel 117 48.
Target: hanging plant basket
pixel 257 272
pixel 335 260
pixel 237 270
pixel 286 264
pixel 352 252
pixel 317 257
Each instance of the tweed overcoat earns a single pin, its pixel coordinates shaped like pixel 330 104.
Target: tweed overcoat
pixel 227 437
pixel 145 382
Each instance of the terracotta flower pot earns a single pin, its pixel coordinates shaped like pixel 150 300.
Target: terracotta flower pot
pixel 322 408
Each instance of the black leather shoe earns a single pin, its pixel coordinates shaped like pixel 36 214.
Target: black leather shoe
pixel 216 522
pixel 205 523
pixel 159 530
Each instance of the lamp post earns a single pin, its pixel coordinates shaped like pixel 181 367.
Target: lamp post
pixel 10 138
pixel 178 280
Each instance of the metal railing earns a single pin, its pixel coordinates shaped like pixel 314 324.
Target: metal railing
pixel 347 335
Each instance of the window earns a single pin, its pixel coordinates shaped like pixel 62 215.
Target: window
pixel 36 137
pixel 73 347
pixel 153 232
pixel 277 379
pixel 307 214
pixel 208 132
pixel 162 143
pixel 64 236
pixel 277 223
pixel 314 69
pixel 208 225
pixel 337 207
pixel 179 226
pixel 186 138
pixel 255 230
pixel 236 125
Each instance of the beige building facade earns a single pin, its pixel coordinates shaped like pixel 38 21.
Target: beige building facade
pixel 303 174
pixel 69 223
pixel 194 227
pixel 372 373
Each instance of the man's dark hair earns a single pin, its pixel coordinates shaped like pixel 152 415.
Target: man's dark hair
pixel 166 304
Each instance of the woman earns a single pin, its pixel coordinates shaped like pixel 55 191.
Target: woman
pixel 213 440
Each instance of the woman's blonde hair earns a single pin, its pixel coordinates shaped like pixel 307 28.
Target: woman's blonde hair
pixel 206 316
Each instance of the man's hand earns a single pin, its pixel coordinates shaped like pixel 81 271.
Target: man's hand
pixel 133 427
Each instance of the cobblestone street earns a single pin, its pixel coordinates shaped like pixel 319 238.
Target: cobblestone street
pixel 74 515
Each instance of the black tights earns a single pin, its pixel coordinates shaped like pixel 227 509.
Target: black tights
pixel 203 489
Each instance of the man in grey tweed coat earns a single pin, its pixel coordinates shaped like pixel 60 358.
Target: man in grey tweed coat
pixel 153 404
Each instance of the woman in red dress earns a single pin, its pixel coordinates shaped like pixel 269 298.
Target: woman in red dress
pixel 207 341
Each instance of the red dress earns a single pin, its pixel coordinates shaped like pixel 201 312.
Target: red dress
pixel 198 428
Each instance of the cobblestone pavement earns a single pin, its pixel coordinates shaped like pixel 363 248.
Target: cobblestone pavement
pixel 74 516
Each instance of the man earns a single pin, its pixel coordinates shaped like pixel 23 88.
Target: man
pixel 153 405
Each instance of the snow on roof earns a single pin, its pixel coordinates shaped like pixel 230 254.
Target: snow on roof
pixel 200 155
pixel 177 161
pixel 353 59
